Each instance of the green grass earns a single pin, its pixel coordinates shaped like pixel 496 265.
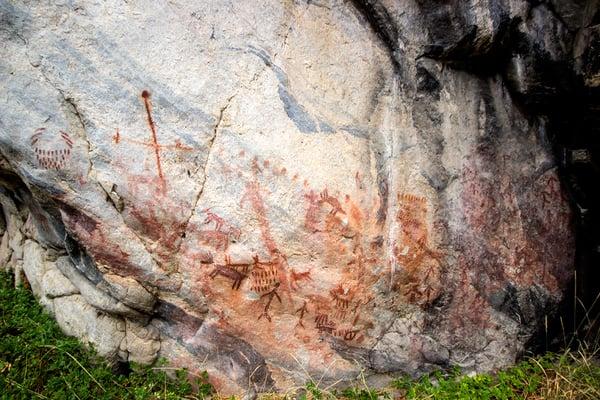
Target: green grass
pixel 552 376
pixel 38 361
pixel 566 376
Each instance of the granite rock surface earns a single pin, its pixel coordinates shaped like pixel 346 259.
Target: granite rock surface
pixel 278 191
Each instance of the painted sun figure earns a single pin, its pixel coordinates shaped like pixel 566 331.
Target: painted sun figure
pixel 51 151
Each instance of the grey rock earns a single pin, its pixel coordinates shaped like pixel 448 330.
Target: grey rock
pixel 276 191
pixel 141 343
pixel 94 296
pixel 55 284
pixel 77 318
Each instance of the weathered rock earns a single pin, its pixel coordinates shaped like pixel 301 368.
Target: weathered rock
pixel 77 318
pixel 55 284
pixel 129 291
pixel 92 295
pixel 141 343
pixel 35 267
pixel 277 191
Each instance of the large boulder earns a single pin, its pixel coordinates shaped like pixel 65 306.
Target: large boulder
pixel 278 191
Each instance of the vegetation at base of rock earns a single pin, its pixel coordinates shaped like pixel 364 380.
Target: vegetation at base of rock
pixel 552 376
pixel 566 376
pixel 37 361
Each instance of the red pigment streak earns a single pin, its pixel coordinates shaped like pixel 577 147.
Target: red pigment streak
pixel 101 248
pixel 176 146
pixel 255 167
pixel 311 220
pixel 155 145
pixel 117 137
pixel 357 179
pixel 356 214
pixel 253 195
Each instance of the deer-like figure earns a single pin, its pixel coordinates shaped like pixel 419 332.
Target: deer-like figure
pixel 212 217
pixel 228 272
pixel 217 239
pixel 333 202
pixel 298 276
pixel 237 266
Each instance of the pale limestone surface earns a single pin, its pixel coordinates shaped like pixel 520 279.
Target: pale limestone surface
pixel 267 191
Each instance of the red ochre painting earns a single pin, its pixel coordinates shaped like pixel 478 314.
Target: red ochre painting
pixel 52 149
pixel 325 292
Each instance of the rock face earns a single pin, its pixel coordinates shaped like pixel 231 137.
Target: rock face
pixel 277 191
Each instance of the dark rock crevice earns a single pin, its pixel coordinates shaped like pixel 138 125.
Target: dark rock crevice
pixel 382 24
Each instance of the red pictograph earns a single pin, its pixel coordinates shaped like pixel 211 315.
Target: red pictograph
pixel 153 144
pixel 51 151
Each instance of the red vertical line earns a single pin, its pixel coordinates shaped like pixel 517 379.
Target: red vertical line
pixel 146 96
